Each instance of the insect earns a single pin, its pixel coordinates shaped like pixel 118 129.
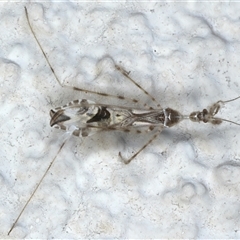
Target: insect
pixel 83 117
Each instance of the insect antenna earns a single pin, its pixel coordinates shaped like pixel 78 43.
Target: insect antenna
pixel 224 102
pixel 231 100
pixel 208 115
pixel 226 120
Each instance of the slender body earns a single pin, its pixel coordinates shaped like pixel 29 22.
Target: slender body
pixel 88 118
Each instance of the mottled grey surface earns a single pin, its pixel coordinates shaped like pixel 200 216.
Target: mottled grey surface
pixel 185 185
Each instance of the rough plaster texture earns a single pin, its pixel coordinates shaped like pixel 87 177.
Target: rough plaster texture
pixel 185 185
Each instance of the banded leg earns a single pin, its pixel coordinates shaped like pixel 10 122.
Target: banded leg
pixel 127 161
pixel 126 74
pixel 36 188
pixel 67 86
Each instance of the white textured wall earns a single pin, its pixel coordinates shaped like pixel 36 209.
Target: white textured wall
pixel 185 185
